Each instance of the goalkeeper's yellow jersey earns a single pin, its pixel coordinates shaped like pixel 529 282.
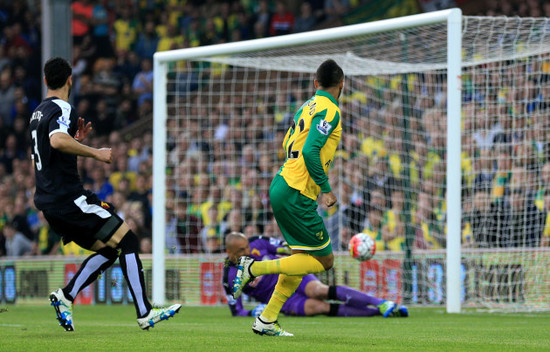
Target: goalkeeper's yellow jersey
pixel 310 145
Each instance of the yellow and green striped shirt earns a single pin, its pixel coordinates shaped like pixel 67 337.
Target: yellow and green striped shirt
pixel 310 145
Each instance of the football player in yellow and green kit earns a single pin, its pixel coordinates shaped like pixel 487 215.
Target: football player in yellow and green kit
pixel 310 144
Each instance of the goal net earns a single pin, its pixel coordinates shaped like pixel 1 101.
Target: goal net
pixel 221 113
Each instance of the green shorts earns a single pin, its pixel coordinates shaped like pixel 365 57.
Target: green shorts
pixel 297 217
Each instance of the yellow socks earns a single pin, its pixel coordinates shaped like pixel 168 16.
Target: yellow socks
pixel 286 285
pixel 299 264
pixel 290 270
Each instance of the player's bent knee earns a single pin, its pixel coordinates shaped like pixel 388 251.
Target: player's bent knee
pixel 317 290
pixel 129 243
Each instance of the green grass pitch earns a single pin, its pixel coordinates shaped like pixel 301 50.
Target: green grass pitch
pixel 114 328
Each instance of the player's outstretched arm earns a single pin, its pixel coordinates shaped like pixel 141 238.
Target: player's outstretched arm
pixel 67 144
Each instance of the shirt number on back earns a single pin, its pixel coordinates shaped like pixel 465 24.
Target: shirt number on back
pixel 294 154
pixel 37 160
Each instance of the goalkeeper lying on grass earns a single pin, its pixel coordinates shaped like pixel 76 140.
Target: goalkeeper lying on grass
pixel 310 296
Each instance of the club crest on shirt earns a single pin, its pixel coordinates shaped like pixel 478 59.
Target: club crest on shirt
pixel 324 127
pixel 319 235
pixel 104 205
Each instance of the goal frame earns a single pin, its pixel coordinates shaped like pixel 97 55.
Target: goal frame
pixel 453 18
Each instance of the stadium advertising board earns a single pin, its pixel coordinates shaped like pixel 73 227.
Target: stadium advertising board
pixel 197 280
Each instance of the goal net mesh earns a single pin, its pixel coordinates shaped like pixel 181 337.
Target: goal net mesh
pixel 227 116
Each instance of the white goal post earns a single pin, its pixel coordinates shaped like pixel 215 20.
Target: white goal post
pixel 444 159
pixel 452 17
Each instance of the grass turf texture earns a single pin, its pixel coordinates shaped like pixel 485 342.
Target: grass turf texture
pixel 114 328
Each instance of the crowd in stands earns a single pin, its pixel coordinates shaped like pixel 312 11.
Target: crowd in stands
pixel 113 46
pixel 222 182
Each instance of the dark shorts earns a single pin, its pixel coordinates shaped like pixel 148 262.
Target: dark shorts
pixel 295 305
pixel 83 220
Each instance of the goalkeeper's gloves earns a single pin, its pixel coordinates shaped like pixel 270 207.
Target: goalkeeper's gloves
pixel 257 311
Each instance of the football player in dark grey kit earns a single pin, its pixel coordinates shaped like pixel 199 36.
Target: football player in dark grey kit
pixel 75 213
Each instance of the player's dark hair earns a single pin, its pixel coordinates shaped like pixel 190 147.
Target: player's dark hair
pixel 57 70
pixel 329 74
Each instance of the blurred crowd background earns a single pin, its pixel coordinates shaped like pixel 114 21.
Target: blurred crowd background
pixel 226 182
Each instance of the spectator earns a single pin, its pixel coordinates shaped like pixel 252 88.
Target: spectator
pixel 19 219
pixel 193 33
pixel 121 171
pixel 171 239
pixel 125 114
pixel 485 219
pixel 7 96
pixel 134 221
pixel 211 235
pixel 257 214
pixel 171 39
pixel 282 21
pixel 48 242
pixel 21 136
pixel 142 86
pixel 146 245
pixel 147 41
pixel 82 19
pixel 17 244
pixel 15 41
pixel 188 228
pixel 233 223
pixel 485 168
pixel 379 177
pixel 106 84
pixel 502 175
pixel 139 152
pixel 104 118
pixel 224 22
pixel 210 34
pixel 426 235
pixel 306 21
pixel 261 19
pixel 27 90
pixel 393 225
pixel 249 185
pixel 523 223
pixel 100 22
pixel 140 195
pixel 249 157
pixel 101 185
pixel 11 153
pixel 336 8
pixel 373 227
pixel 127 66
pixel 126 28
